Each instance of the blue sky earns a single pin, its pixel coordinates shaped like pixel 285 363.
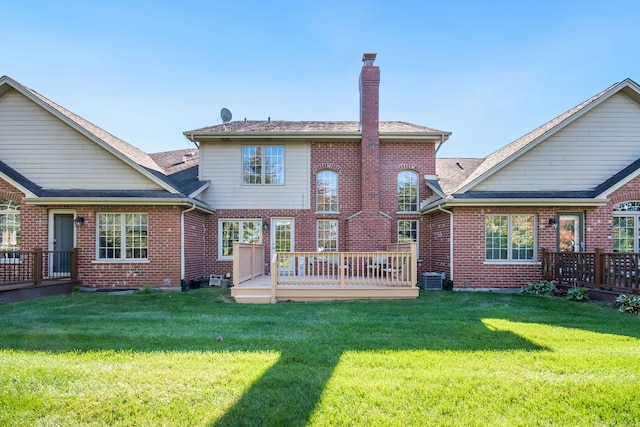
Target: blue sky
pixel 488 71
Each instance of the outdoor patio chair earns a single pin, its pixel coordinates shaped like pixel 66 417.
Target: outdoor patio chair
pixel 334 263
pixel 377 264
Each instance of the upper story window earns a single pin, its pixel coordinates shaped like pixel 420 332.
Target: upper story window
pixel 9 225
pixel 408 191
pixel 263 164
pixel 327 191
pixel 122 236
pixel 626 236
pixel 510 237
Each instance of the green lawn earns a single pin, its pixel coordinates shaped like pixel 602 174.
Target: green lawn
pixel 447 358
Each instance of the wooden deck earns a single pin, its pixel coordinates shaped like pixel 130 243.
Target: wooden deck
pixel 259 291
pixel 25 291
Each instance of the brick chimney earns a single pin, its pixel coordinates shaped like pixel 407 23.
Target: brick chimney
pixel 369 229
pixel 369 118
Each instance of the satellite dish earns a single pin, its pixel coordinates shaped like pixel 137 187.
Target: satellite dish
pixel 225 115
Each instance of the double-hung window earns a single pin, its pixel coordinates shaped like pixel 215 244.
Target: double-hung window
pixel 327 235
pixel 9 225
pixel 408 231
pixel 626 237
pixel 237 230
pixel 263 164
pixel 122 236
pixel 510 238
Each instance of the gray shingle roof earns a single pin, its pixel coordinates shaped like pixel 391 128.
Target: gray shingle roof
pixel 279 126
pixel 452 172
pixel 509 151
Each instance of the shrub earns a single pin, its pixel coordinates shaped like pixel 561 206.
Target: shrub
pixel 577 294
pixel 629 304
pixel 542 287
pixel 147 289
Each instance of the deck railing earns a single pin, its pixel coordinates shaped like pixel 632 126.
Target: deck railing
pixel 248 262
pixel 17 267
pixel 395 267
pixel 617 271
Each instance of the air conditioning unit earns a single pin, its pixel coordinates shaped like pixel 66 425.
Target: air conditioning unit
pixel 430 281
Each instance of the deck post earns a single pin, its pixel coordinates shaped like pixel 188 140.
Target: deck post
pixel 414 265
pixel 598 268
pixel 74 263
pixel 37 266
pixel 274 276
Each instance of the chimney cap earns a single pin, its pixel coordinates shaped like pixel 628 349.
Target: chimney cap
pixel 369 58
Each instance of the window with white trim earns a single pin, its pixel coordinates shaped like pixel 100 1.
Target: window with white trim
pixel 510 237
pixel 9 225
pixel 626 236
pixel 122 236
pixel 408 191
pixel 327 191
pixel 263 164
pixel 327 237
pixel 408 232
pixel 237 230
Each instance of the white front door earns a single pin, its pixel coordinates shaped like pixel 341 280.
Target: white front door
pixel 570 232
pixel 282 240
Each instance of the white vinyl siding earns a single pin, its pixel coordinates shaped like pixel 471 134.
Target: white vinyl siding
pixel 39 145
pixel 581 156
pixel 221 165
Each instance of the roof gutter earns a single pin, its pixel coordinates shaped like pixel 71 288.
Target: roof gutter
pixel 123 201
pixel 514 202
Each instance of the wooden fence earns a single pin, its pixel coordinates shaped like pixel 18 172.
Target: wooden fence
pixel 616 271
pixel 36 266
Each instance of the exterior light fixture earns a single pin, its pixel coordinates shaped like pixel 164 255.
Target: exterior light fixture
pixel 79 221
pixel 265 225
pixel 553 223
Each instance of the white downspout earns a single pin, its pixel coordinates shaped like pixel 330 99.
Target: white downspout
pixel 450 241
pixel 182 262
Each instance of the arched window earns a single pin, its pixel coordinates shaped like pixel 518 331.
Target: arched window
pixel 327 191
pixel 9 225
pixel 626 222
pixel 408 191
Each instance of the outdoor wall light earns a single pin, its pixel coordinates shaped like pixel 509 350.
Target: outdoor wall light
pixel 553 223
pixel 79 221
pixel 265 225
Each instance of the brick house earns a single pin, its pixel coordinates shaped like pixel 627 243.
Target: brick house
pixel 66 183
pixel 329 186
pixel 138 219
pixel 571 185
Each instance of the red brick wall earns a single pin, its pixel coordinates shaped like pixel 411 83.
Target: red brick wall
pixel 437 235
pixel 164 250
pixel 195 245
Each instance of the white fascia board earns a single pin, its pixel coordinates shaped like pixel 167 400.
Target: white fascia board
pixel 116 201
pixel 14 184
pixel 200 189
pixel 618 185
pixel 514 202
